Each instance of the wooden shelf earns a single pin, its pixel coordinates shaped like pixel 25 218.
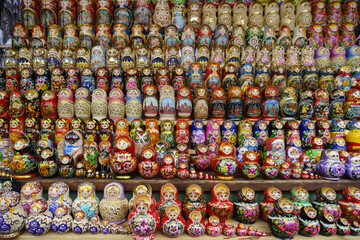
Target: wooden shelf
pixel 257 184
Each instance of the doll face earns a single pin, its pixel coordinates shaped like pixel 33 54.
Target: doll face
pixel 14 124
pixel 45 154
pixel 112 193
pixel 251 156
pixel 255 92
pixel 90 125
pixel 34 210
pixel 288 208
pixel 303 195
pixel 182 125
pixel 54 192
pixel 142 207
pixel 278 146
pixel 18 145
pixel 318 142
pixel 85 192
pixel 27 190
pixel 247 126
pixel 341 124
pixel 167 126
pixel 168 160
pixel 76 124
pixel 223 196
pixel 122 145
pixel 340 142
pixel 227 150
pixel 169 195
pixel 199 125
pixel 59 213
pixel 219 93
pixel 330 194
pixel 193 196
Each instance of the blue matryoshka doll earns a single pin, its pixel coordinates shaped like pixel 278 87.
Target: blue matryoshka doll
pixel 133 106
pixel 195 74
pixel 353 125
pixel 88 79
pixel 197 135
pixel 338 128
pixel 228 131
pixel 307 132
pixel 221 35
pixel 123 13
pixel 261 132
pixel 250 143
pixel 338 143
pixel 269 39
pixel 42 81
pixel 117 78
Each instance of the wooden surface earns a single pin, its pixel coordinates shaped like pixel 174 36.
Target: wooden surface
pixel 257 184
pixel 160 236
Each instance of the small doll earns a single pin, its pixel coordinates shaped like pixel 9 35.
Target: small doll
pixel 167 169
pixel 167 132
pixel 102 79
pixel 182 133
pixel 220 204
pixel 12 80
pixel 157 58
pixel 321 104
pixel 196 224
pixel 213 227
pixel 81 223
pixel 162 77
pixel 39 58
pixel 106 130
pixel 168 196
pixel 252 107
pixel 187 56
pixel 68 59
pixel 152 127
pixel 195 78
pixel 228 131
pixel 32 107
pixel 112 58
pixel 347 35
pixel 39 220
pixel 269 38
pixel 246 202
pixel 148 166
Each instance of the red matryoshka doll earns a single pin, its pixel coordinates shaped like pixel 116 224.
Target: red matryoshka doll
pixel 213 227
pixel 218 103
pixel 204 35
pixel 124 161
pixel 16 129
pixel 350 203
pixel 347 35
pixel 350 12
pixel 249 167
pixel 150 102
pixel 235 103
pixel 106 130
pixel 116 106
pixel 182 133
pixel 269 170
pixel 225 165
pixel 12 80
pixel 178 78
pixel 62 126
pixel 334 12
pixel 220 204
pixel 319 13
pixel 102 79
pixel 17 105
pixel 275 149
pixel 162 77
pixel 270 106
pixel 32 127
pixel 65 106
pixel 196 224
pixel 4 102
pixel 67 13
pixel 121 128
pixel 92 130
pixel 252 105
pixel 32 107
pixel 321 104
pixel 183 103
pixel 49 104
pixel 292 130
pixel 168 169
pixel 86 12
pixel 168 197
pixel 104 12
pixel 144 212
pixel 20 36
pixel 173 224
pixel 315 36
pixel 194 201
pixel 152 127
pixel 148 166
pixel 38 38
pixel 323 130
pixel 332 36
pixel 267 205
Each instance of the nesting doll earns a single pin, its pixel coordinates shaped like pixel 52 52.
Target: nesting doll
pixel 80 223
pixel 16 129
pixel 167 103
pixel 30 192
pixel 252 104
pixel 267 205
pixel 82 103
pixel 197 133
pixel 326 203
pixel 183 103
pixel 246 207
pixel 17 105
pixel 194 200
pixel 13 214
pixel 86 200
pixel 220 204
pixel 133 104
pixel 209 15
pixel 59 196
pixel 39 219
pixel 167 132
pixel 32 107
pixel 168 197
pixel 218 103
pixel 20 36
pixel 48 104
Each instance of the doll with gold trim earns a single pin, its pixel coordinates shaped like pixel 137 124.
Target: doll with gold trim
pixel 137 37
pixel 112 58
pixel 39 58
pixel 82 58
pixel 25 57
pixel 53 58
pixel 87 35
pixel 157 58
pixel 224 14
pixel 240 16
pixel 11 58
pixel 54 37
pixel 194 14
pixel 103 36
pixel 120 37
pixel 127 58
pixel 209 15
pixel 68 59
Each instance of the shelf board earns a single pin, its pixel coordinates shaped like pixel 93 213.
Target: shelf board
pixel 257 184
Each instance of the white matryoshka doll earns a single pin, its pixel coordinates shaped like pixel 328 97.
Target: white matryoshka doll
pixel 161 13
pixel 114 205
pixel 256 14
pixel 240 16
pixel 287 13
pixel 30 192
pixel 82 104
pixel 12 215
pixel 133 107
pixel 86 200
pixel 99 104
pixel 62 220
pixel 116 106
pixel 167 103
pixel 59 195
pixel 97 57
pixel 143 188
pixel 40 218
pixel 303 14
pixel 209 15
pixel 65 104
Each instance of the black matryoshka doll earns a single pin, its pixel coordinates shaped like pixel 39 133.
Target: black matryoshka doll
pixel 321 104
pixel 308 223
pixel 32 108
pixel 24 161
pixel 288 104
pixel 327 225
pixel 246 207
pixel 194 201
pixel 235 103
pixel 77 124
pixel 32 126
pixel 92 130
pixel 47 127
pixel 343 227
pixel 106 130
pixel 306 106
pixel 117 78
pixel 252 105
pixel 326 203
pixel 230 77
pixel 66 168
pixel 271 194
pixel 337 104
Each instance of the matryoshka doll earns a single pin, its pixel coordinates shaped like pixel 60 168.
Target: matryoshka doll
pixel 133 104
pixel 213 132
pixel 20 36
pixel 147 75
pixel 270 107
pixel 321 104
pixel 106 130
pixel 32 127
pixel 350 203
pixel 62 220
pixel 182 133
pixel 213 227
pixel 167 103
pixel 114 205
pixel 178 78
pixel 168 169
pixel 183 103
pixel 235 103
pixel 161 14
pixel 319 13
pixel 194 201
pixel 39 220
pixel 32 107
pixel 86 200
pixel 13 214
pixel 220 204
pixel 299 37
pixel 173 220
pixel 284 38
pixel 148 166
pixel 244 131
pixel 300 199
pixel 307 132
pixel 315 36
pixel 332 36
pixel 322 57
pixel 305 107
pixel 246 207
pixel 347 35
pixel 225 165
pixel 201 104
pixel 30 192
pixel 73 79
pixel 152 127
pixel 102 79
pixel 24 153
pixel 124 161
pixel 113 62
pixel 249 166
pixel 65 104
pixel 228 132
pixel 271 194
pixel 99 104
pixel 288 104
pixel 308 223
pixel 16 129
pixel 167 132
pixel 80 223
pixel 252 105
pixel 197 136
pixel 337 104
pixel 116 106
pixel 282 221
pixel 17 105
pixel 269 39
pixel 168 197
pixel 230 76
pixel 343 78
pixel 82 103
pixel 49 104
pixel 261 134
pixel 144 211
pixel 326 203
pixel 87 79
pixel 59 196
pixel 4 127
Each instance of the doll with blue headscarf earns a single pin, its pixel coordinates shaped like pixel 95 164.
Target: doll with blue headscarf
pixel 221 36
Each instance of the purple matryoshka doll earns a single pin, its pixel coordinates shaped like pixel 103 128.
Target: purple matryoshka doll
pixel 338 57
pixel 213 132
pixel 197 135
pixel 330 167
pixel 319 12
pixel 347 35
pixel 334 12
pixel 353 56
pixel 228 131
pixel 322 57
pixel 315 36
